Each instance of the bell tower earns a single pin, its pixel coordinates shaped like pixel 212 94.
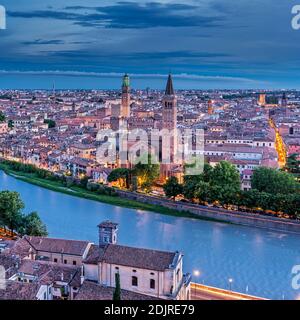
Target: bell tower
pixel 108 232
pixel 125 107
pixel 169 122
pixel 169 106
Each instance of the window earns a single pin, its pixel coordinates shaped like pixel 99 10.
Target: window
pixel 65 261
pixel 74 263
pixel 55 260
pixel 134 271
pixel 117 268
pixel 152 284
pixel 134 281
pixel 177 275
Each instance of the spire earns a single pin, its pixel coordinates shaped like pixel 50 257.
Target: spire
pixel 170 88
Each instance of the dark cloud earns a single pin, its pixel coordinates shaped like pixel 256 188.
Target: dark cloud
pixel 43 42
pixel 134 56
pixel 129 15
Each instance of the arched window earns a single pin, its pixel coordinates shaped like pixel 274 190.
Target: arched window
pixel 134 281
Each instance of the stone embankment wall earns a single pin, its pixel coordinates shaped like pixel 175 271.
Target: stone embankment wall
pixel 236 217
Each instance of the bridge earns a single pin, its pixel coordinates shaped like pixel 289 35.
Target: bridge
pixel 202 292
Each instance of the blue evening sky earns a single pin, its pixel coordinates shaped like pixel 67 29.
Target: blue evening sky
pixel 204 43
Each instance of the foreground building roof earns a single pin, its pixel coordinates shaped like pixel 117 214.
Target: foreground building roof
pixel 93 291
pixel 131 257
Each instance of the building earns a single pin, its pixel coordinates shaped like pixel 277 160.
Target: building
pixel 149 272
pixel 70 252
pixel 3 128
pixel 262 99
pixel 210 108
pixel 57 269
pixel 284 100
pixel 125 105
pixel 169 123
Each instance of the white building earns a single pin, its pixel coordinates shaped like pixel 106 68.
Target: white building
pixel 144 271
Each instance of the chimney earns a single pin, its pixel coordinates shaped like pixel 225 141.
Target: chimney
pixel 108 233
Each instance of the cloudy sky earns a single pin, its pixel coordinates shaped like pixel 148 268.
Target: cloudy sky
pixel 204 43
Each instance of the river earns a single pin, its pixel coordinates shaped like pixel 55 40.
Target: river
pixel 259 261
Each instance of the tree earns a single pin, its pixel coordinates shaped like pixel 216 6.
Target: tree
pixel 10 124
pixel 225 174
pixel 190 187
pixel 51 123
pixel 146 173
pixel 2 117
pixel 172 188
pixel 117 291
pixel 225 183
pixel 191 182
pixel 10 209
pixel 122 175
pixel 293 164
pixel 274 181
pixel 32 225
pixel 203 192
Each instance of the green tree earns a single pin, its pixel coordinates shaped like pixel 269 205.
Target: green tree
pixel 203 192
pixel 10 124
pixel 117 291
pixel 51 123
pixel 225 174
pixel 274 181
pixel 225 183
pixel 293 164
pixel 32 225
pixel 122 175
pixel 190 186
pixel 172 188
pixel 2 117
pixel 10 209
pixel 191 182
pixel 146 173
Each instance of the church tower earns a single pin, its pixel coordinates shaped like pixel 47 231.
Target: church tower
pixel 210 108
pixel 169 122
pixel 284 100
pixel 125 107
pixel 108 232
pixel 169 106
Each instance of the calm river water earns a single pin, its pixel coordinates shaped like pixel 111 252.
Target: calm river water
pixel 259 261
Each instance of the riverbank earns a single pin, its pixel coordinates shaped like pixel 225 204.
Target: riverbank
pixel 81 193
pixel 143 202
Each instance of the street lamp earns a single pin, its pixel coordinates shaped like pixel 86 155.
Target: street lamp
pixel 196 274
pixel 230 280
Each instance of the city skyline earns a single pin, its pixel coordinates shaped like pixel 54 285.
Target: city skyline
pixel 205 44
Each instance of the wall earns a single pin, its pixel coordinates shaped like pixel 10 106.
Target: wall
pixel 241 218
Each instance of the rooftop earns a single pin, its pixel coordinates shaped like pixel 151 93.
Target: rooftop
pixel 131 257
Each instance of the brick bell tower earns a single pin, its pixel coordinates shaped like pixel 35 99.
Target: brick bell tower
pixel 169 122
pixel 170 106
pixel 125 107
